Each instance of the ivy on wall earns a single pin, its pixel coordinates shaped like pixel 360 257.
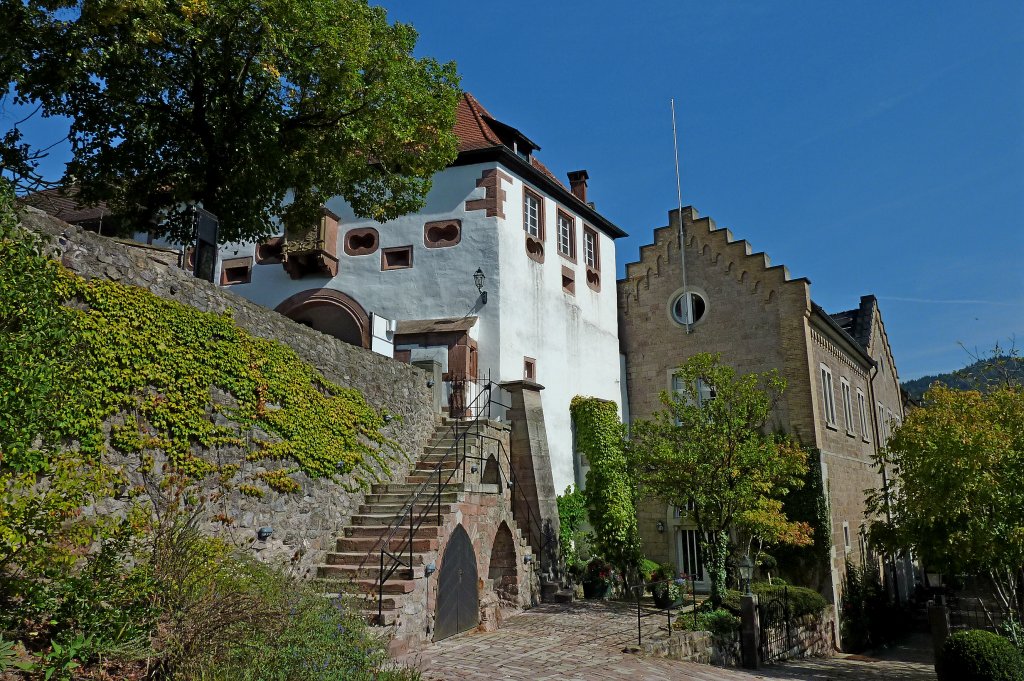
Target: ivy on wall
pixel 97 366
pixel 609 492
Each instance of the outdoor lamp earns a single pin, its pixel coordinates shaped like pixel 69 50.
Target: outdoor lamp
pixel 661 526
pixel 746 567
pixel 478 279
pixel 263 534
pixel 429 569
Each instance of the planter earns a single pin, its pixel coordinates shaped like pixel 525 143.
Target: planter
pixel 597 590
pixel 663 600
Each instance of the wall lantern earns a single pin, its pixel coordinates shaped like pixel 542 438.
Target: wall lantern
pixel 527 559
pixel 430 569
pixel 661 526
pixel 746 567
pixel 478 279
pixel 263 534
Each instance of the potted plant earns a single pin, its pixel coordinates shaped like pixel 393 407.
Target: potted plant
pixel 598 578
pixel 667 589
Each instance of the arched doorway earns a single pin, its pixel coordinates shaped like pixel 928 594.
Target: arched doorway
pixel 458 603
pixel 504 569
pixel 330 312
pixel 491 476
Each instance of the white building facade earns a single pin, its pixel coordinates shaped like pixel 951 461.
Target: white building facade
pixel 407 287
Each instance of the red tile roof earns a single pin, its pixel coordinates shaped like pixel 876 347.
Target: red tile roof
pixel 64 204
pixel 474 131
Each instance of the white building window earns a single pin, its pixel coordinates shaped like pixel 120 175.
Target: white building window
pixel 689 308
pixel 590 248
pixel 863 408
pixel 566 236
pixel 828 396
pixel 532 221
pixel 691 560
pixel 846 535
pixel 883 426
pixel 705 392
pixel 847 404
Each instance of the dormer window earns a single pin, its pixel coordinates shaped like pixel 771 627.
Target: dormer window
pixel 522 152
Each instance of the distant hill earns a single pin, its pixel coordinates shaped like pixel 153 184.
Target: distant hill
pixel 981 373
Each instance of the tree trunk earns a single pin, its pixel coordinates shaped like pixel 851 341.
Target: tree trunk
pixel 718 548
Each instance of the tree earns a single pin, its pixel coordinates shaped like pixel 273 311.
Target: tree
pixel 956 487
pixel 253 108
pixel 707 451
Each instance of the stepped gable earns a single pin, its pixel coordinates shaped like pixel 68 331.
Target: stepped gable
pixel 734 256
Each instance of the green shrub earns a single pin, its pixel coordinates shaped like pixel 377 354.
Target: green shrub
pixel 979 656
pixel 802 601
pixel 719 622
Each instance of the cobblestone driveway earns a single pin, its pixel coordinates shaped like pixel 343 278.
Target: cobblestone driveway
pixel 585 641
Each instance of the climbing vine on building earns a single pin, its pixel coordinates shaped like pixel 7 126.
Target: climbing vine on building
pixel 95 369
pixel 610 494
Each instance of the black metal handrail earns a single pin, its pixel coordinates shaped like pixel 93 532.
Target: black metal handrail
pixel 638 590
pixel 396 559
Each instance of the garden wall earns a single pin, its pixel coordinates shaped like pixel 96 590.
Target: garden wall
pixel 305 524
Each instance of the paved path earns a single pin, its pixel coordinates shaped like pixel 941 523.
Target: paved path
pixel 586 641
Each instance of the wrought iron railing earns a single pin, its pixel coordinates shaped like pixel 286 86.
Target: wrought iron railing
pixel 428 494
pixel 653 610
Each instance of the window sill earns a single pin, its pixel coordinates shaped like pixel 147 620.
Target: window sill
pixel 850 433
pixel 567 258
pixel 831 426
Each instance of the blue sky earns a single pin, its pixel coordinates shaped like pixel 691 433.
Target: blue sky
pixel 873 147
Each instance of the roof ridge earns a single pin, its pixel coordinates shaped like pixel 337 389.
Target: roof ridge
pixel 478 111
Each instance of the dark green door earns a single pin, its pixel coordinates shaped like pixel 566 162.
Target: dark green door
pixel 458 604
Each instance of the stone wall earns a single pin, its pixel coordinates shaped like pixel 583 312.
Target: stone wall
pixel 701 647
pixel 305 524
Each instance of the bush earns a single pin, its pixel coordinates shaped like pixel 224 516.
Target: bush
pixel 979 656
pixel 719 622
pixel 802 601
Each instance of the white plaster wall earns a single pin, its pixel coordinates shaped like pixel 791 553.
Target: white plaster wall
pixel 574 338
pixel 440 282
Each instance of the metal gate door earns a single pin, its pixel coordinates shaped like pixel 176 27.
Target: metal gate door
pixel 458 604
pixel 773 613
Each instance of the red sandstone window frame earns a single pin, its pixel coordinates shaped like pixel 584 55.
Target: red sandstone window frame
pixel 361 232
pixel 436 227
pixel 592 256
pixel 386 260
pixel 569 253
pixel 528 195
pixel 270 252
pixel 568 280
pixel 529 369
pixel 235 271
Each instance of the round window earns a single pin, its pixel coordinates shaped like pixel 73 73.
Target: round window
pixel 689 308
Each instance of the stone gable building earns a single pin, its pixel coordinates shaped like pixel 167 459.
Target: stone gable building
pixel 842 385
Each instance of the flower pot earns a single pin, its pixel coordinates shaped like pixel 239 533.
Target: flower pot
pixel 662 599
pixel 597 590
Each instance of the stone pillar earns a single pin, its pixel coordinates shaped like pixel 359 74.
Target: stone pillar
pixel 938 622
pixel 749 631
pixel 531 463
pixel 433 369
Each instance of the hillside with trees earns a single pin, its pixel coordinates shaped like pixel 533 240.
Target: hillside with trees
pixel 983 373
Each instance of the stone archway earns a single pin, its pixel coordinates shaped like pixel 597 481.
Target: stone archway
pixel 504 568
pixel 458 600
pixel 330 312
pixel 491 474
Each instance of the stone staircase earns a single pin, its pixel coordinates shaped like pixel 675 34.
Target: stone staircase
pixel 355 565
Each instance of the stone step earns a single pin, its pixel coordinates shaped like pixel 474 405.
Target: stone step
pixel 449 496
pixel 423 532
pixel 447 479
pixel 355 558
pixel 393 587
pixel 365 544
pixel 368 571
pixel 408 489
pixel 381 619
pixel 385 519
pixel 398 509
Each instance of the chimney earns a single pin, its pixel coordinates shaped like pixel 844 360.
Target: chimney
pixel 578 184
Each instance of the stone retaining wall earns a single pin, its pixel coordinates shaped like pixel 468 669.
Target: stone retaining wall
pixel 306 524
